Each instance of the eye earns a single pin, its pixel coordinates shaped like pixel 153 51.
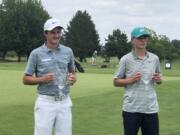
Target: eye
pixel 55 32
pixel 142 37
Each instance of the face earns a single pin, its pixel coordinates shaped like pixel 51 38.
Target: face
pixel 140 42
pixel 53 37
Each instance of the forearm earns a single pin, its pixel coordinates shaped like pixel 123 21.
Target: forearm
pixel 72 78
pixel 122 82
pixel 32 80
pixel 157 78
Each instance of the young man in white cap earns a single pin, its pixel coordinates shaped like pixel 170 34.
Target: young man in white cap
pixel 51 66
pixel 138 72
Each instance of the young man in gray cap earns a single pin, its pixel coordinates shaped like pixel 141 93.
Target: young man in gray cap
pixel 138 72
pixel 51 66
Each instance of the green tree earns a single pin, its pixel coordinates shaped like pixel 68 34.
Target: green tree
pixel 3 47
pixel 156 47
pixel 176 45
pixel 163 47
pixel 81 35
pixel 117 44
pixel 168 48
pixel 22 22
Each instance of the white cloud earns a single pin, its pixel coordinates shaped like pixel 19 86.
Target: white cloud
pixel 103 3
pixel 159 15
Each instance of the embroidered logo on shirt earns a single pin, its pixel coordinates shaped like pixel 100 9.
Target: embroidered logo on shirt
pixel 44 60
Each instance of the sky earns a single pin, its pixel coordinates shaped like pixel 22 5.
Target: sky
pixel 162 16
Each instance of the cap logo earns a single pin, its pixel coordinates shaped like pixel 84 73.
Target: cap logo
pixel 141 30
pixel 53 22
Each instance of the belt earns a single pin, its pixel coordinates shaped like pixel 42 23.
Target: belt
pixel 54 98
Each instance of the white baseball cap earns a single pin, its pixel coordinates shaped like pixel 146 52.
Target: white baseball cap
pixel 52 23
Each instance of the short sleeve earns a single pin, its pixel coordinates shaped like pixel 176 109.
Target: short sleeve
pixel 71 65
pixel 158 67
pixel 31 64
pixel 121 70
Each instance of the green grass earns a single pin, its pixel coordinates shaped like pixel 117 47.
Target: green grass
pixel 112 67
pixel 96 103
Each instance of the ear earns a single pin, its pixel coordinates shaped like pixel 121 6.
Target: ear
pixel 132 40
pixel 45 33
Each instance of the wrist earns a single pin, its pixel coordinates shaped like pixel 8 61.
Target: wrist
pixel 129 80
pixel 40 80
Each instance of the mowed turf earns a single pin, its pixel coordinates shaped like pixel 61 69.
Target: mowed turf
pixel 96 104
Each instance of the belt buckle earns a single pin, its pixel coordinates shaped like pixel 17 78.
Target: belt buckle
pixel 59 98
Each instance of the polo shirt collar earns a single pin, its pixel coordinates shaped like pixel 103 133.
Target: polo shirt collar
pixel 50 50
pixel 136 56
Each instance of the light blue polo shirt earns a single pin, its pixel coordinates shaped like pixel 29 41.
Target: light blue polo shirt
pixel 44 60
pixel 139 97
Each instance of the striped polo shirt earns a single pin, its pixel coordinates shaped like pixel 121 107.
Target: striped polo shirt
pixel 140 96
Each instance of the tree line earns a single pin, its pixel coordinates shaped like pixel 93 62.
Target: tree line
pixel 117 45
pixel 21 30
pixel 21 26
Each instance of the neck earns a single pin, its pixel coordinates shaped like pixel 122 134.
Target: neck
pixel 51 46
pixel 140 52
